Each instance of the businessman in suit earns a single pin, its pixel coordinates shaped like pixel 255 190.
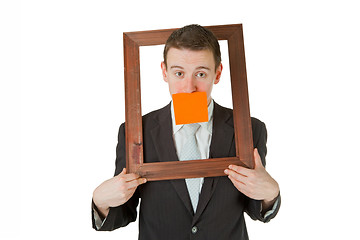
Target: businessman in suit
pixel 168 209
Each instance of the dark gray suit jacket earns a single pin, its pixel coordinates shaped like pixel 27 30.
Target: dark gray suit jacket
pixel 165 209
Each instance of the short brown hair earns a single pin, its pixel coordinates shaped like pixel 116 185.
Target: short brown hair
pixel 194 37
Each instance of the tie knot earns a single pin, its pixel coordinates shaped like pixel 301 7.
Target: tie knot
pixel 190 129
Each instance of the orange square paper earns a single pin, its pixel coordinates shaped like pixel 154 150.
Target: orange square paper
pixel 190 107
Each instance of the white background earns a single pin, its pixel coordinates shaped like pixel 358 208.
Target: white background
pixel 62 101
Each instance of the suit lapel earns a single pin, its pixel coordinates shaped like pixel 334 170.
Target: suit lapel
pixel 165 148
pixel 162 136
pixel 221 142
pixel 222 134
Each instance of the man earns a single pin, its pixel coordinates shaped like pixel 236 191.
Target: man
pixel 173 209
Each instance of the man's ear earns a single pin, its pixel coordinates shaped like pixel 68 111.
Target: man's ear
pixel 164 72
pixel 218 73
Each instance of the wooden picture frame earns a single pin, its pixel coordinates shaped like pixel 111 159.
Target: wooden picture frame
pixel 133 118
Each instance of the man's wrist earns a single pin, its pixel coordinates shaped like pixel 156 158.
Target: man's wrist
pixel 268 203
pixel 102 211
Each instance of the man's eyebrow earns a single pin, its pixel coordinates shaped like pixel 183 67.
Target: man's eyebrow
pixel 176 67
pixel 203 67
pixel 200 67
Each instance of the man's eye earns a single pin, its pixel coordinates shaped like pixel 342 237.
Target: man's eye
pixel 179 74
pixel 201 75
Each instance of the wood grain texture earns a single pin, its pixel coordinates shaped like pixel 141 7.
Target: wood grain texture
pixel 133 121
pixel 187 169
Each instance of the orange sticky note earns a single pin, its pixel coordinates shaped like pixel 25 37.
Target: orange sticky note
pixel 190 107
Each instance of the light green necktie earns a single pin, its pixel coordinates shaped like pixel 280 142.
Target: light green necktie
pixel 190 151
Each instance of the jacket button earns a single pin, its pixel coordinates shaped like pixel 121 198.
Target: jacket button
pixel 194 230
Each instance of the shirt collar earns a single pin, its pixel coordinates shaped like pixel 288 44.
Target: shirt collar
pixel 206 125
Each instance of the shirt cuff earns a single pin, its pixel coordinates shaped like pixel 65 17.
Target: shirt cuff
pixel 271 211
pixel 98 222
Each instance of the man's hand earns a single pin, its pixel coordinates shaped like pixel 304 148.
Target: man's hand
pixel 116 191
pixel 255 183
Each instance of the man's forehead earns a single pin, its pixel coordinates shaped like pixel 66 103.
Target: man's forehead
pixel 179 58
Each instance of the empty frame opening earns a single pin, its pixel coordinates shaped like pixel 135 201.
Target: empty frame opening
pixel 154 90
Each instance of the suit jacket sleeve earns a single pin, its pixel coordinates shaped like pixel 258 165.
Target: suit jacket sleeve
pixel 259 139
pixel 122 215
